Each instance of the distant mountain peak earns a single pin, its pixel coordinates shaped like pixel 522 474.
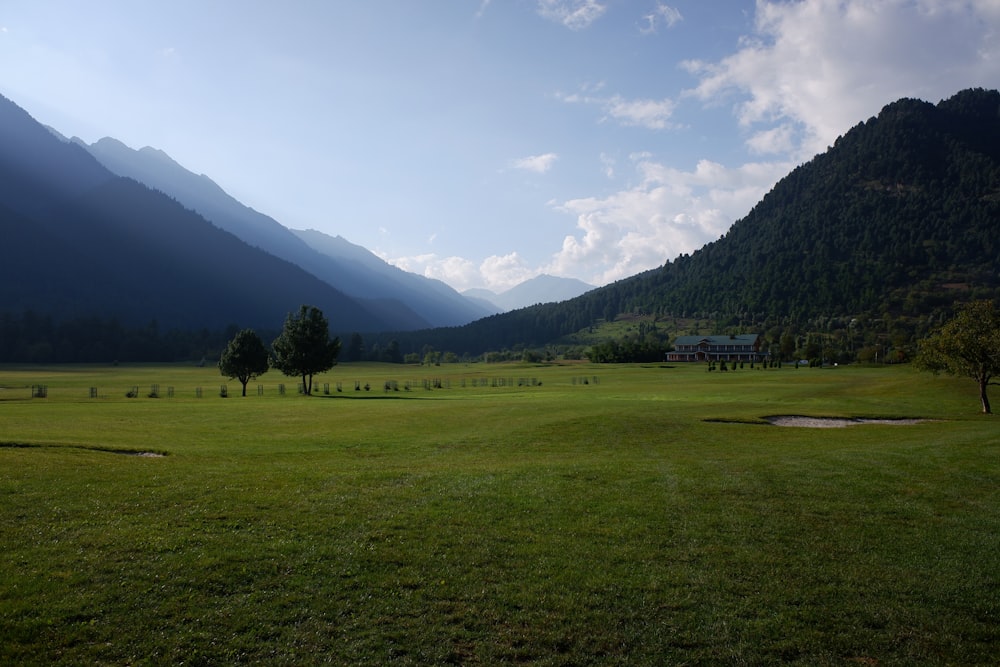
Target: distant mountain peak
pixel 543 288
pixel 158 154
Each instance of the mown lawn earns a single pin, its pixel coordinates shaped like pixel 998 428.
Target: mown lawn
pixel 557 515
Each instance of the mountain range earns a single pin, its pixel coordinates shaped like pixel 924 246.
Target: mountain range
pixel 895 223
pixel 82 241
pixel 106 230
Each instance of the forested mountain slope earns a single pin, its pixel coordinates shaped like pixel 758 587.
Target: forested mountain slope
pixel 901 217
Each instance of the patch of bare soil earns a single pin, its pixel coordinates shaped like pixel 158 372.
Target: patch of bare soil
pixel 833 422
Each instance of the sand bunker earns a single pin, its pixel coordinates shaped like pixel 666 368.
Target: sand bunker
pixel 833 422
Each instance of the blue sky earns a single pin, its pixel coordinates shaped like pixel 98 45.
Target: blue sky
pixel 483 142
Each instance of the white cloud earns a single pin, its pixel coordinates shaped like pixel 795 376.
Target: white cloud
pixel 651 114
pixel 536 163
pixel 663 14
pixel 501 272
pixel 456 271
pixel 608 162
pixel 574 14
pixel 670 212
pixel 496 272
pixel 825 65
pixel 776 141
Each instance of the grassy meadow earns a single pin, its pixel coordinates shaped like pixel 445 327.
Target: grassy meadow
pixel 555 515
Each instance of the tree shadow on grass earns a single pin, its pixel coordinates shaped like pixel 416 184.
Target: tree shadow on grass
pixel 93 448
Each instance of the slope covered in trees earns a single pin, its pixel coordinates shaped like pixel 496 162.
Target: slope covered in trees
pixel 901 215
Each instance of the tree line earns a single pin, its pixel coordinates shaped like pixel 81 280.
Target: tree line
pixel 38 338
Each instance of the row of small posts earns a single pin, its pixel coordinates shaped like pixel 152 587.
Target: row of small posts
pixel 41 391
pixel 438 383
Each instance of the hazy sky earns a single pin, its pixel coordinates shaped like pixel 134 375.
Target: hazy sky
pixel 485 141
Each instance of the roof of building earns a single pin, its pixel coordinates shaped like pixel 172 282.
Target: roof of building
pixel 741 339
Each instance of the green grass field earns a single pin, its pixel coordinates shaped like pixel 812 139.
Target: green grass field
pixel 575 515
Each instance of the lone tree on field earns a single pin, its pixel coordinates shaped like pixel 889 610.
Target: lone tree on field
pixel 304 346
pixel 968 345
pixel 244 358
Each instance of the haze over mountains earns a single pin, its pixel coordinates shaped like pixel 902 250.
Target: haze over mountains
pixel 347 266
pixel 407 300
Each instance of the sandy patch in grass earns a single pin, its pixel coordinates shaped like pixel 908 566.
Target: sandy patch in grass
pixel 833 422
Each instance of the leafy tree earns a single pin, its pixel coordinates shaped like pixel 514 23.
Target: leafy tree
pixel 244 358
pixel 968 345
pixel 304 347
pixel 356 348
pixel 392 353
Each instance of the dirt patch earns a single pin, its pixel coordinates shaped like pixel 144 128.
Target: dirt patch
pixel 833 422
